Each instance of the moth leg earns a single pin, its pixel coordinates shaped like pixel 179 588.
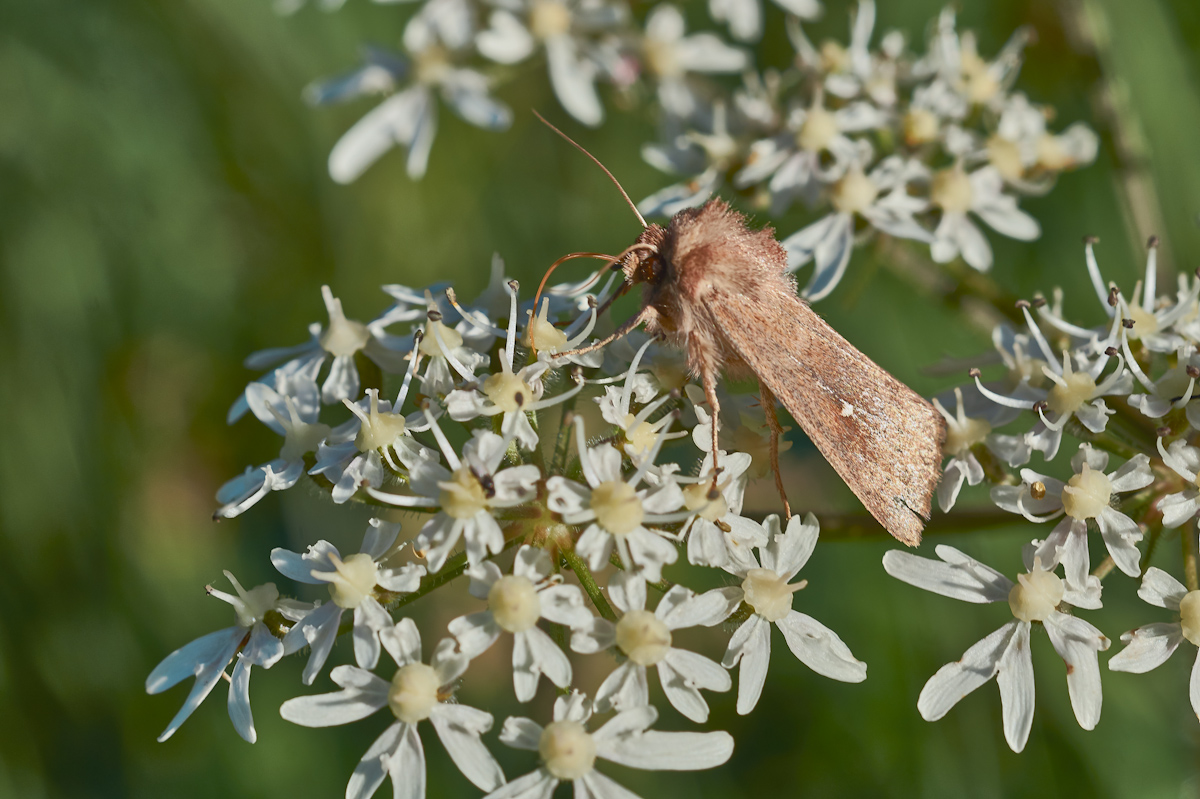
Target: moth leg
pixel 644 315
pixel 709 378
pixel 768 406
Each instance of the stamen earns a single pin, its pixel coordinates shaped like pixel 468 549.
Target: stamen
pixel 415 356
pixel 585 461
pixel 1031 517
pixel 1148 296
pixel 627 394
pixel 1094 273
pixel 559 398
pixel 572 343
pixel 402 500
pixel 463 371
pixel 510 347
pixel 1036 332
pixel 1132 363
pixel 470 318
pixel 1000 399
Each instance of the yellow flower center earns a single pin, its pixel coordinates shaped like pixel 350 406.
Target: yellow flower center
pixel 1086 494
pixel 433 65
pixel 380 430
pixel 514 603
pixel 951 190
pixel 643 637
pixel 769 593
pixel 549 18
pixel 1052 155
pixel 695 498
pixel 462 497
pixel 1036 594
pixel 568 751
pixel 920 127
pixel 641 438
pixel 962 434
pixel 1189 616
pixel 507 392
pixel 429 344
pixel 834 57
pixel 414 692
pixel 1005 156
pixel 854 193
pixel 544 335
pixel 617 506
pixel 817 131
pixel 1065 399
pixel 352 580
pixel 343 336
pixel 1145 323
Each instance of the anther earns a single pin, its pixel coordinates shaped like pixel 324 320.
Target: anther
pixel 1040 406
pixel 1162 432
pixel 514 285
pixel 1037 489
pixel 1152 242
pixel 1114 293
pixel 1038 302
pixel 713 493
pixel 1127 324
pixel 450 296
pixel 723 525
pixel 1091 239
pixel 1022 304
pixel 1193 371
pixel 434 315
pixel 591 301
pixel 1111 352
pixel 418 335
pixel 974 372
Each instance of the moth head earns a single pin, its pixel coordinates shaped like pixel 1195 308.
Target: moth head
pixel 642 262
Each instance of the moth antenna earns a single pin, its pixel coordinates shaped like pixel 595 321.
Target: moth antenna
pixel 596 160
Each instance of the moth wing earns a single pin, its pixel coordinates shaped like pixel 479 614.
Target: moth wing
pixel 883 438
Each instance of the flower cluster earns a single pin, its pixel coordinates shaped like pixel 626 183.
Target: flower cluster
pixel 1125 388
pixel 872 138
pixel 539 478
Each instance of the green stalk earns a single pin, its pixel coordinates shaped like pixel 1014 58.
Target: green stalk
pixel 588 582
pixel 1187 538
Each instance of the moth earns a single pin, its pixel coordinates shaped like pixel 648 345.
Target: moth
pixel 719 290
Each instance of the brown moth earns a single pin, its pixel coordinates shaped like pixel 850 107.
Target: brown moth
pixel 720 291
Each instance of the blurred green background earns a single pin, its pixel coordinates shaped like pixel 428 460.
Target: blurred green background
pixel 164 210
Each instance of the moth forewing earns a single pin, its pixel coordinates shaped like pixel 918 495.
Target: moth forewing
pixel 884 440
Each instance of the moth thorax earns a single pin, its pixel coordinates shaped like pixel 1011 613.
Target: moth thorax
pixel 507 392
pixel 818 130
pixel 1036 594
pixel 514 603
pixel 1052 155
pixel 1005 156
pixel 414 692
pixel 643 637
pixel 951 190
pixel 549 18
pixel 567 750
pixel 1189 616
pixel 1086 494
pixel 429 344
pixel 769 593
pixel 379 430
pixel 1068 396
pixel 920 127
pixel 462 496
pixel 352 579
pixel 617 507
pixel 855 192
pixel 697 498
pixel 343 336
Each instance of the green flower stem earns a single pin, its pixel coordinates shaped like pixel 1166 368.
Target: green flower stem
pixel 1105 568
pixel 1108 440
pixel 588 582
pixel 453 567
pixel 1151 544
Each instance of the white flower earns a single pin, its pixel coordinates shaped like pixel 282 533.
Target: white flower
pixel 744 17
pixel 1077 391
pixel 434 39
pixel 1004 654
pixel 1085 496
pixel 767 591
pixel 568 751
pixel 250 641
pixel 354 584
pixel 704 156
pixel 880 197
pixel 515 603
pixel 342 339
pixel 511 392
pixel 717 534
pixel 645 639
pixel 295 417
pixel 562 28
pixel 965 432
pixel 614 510
pixel 415 693
pixel 451 350
pixel 956 192
pixel 669 56
pixel 468 494
pixel 1184 460
pixel 1148 647
pixel 792 161
pixel 640 436
pixel 957 61
pixel 353 454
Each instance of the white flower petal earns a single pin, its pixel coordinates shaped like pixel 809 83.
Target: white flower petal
pixel 751 647
pixel 373 767
pixel 957 576
pixel 459 727
pixel 1161 589
pixel 954 681
pixel 1077 643
pixel 820 648
pixel 1014 676
pixel 1147 647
